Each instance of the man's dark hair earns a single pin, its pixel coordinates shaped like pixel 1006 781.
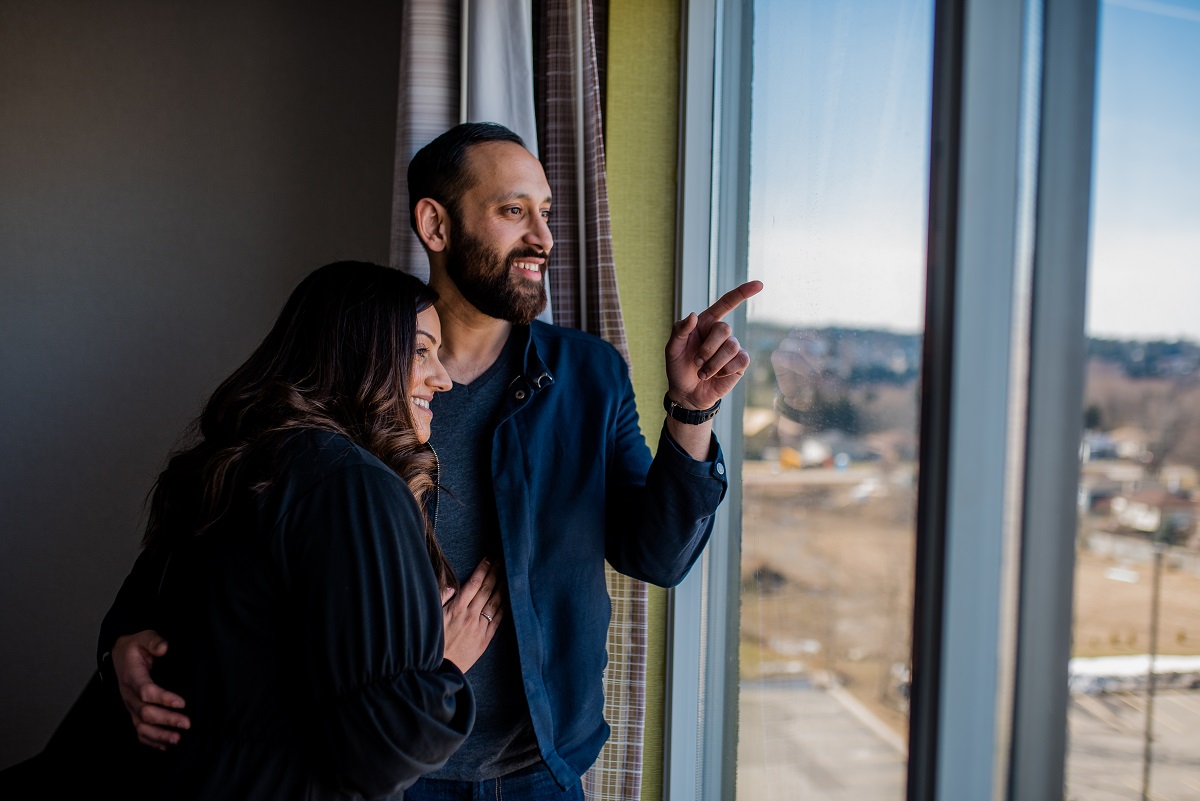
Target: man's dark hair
pixel 439 170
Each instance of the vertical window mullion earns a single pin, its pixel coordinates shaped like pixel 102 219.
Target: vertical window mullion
pixel 967 505
pixel 683 737
pixel 1057 356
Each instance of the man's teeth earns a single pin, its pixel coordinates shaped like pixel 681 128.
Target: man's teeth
pixel 424 404
pixel 524 265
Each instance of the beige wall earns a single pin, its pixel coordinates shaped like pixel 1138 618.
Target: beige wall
pixel 168 172
pixel 641 147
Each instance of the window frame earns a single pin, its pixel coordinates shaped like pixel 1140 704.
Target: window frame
pixel 701 640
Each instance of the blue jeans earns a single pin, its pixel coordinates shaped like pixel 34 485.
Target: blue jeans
pixel 534 783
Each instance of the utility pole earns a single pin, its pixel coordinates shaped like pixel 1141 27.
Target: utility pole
pixel 1161 538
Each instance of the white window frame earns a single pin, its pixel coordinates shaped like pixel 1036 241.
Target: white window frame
pixel 702 636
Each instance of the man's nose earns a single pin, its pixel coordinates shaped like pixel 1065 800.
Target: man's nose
pixel 539 234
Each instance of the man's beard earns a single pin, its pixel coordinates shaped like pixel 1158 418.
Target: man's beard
pixel 483 277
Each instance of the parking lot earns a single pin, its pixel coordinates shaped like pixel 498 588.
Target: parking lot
pixel 799 741
pixel 1107 740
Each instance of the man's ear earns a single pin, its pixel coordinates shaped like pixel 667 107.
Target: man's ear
pixel 433 224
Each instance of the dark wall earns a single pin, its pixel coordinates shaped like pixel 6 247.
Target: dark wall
pixel 168 172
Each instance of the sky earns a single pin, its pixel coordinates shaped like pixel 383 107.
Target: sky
pixel 839 166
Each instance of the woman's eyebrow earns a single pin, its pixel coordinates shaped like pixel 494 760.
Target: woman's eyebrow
pixel 431 337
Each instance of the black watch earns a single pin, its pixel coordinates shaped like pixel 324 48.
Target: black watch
pixel 692 417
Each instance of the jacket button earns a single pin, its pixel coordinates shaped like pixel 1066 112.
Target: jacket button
pixel 520 394
pixel 720 469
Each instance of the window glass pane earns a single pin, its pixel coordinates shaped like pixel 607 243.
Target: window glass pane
pixel 839 141
pixel 1137 581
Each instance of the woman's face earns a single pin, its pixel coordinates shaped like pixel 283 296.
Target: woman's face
pixel 428 375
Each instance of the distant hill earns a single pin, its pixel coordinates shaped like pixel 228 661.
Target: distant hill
pixel 869 356
pixel 853 356
pixel 864 381
pixel 1155 359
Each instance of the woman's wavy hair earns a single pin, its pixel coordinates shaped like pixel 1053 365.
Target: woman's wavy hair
pixel 338 358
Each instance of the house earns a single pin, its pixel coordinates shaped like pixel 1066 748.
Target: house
pixel 1097 445
pixel 1146 510
pixel 1129 442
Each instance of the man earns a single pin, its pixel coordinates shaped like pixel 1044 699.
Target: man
pixel 544 472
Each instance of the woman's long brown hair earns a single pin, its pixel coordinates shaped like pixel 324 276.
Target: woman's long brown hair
pixel 338 359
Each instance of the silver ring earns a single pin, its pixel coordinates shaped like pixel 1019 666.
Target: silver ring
pixel 489 617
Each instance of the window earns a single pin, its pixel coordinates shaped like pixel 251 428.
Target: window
pixel 838 176
pixel 971 566
pixel 1134 731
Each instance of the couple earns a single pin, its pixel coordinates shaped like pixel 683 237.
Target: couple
pixel 307 592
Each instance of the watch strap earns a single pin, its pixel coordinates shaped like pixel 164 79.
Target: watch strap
pixel 692 417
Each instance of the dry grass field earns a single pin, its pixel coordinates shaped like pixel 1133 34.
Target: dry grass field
pixel 827 570
pixel 1113 607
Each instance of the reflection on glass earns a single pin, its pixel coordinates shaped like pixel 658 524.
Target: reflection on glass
pixel 1134 718
pixel 837 226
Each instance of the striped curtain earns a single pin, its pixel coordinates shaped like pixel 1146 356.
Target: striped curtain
pixel 571 131
pixel 568 64
pixel 428 104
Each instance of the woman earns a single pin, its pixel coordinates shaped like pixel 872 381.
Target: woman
pixel 289 561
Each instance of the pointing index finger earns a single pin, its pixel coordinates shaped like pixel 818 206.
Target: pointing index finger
pixel 732 299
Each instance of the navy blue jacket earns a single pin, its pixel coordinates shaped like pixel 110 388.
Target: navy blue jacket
pixel 575 486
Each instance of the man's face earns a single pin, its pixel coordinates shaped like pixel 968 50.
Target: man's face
pixel 499 239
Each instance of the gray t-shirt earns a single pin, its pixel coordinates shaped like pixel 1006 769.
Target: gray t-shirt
pixel 468 529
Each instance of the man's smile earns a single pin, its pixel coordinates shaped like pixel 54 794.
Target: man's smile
pixel 529 268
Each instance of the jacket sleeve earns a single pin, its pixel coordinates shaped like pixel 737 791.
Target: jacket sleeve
pixel 660 513
pixel 386 707
pixel 133 609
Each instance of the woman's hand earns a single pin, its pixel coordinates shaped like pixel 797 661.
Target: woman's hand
pixel 472 615
pixel 151 708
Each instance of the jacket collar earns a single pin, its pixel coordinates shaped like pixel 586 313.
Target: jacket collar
pixel 534 371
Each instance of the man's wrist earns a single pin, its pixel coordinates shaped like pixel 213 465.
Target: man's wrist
pixel 689 416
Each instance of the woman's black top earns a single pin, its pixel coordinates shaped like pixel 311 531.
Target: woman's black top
pixel 305 633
